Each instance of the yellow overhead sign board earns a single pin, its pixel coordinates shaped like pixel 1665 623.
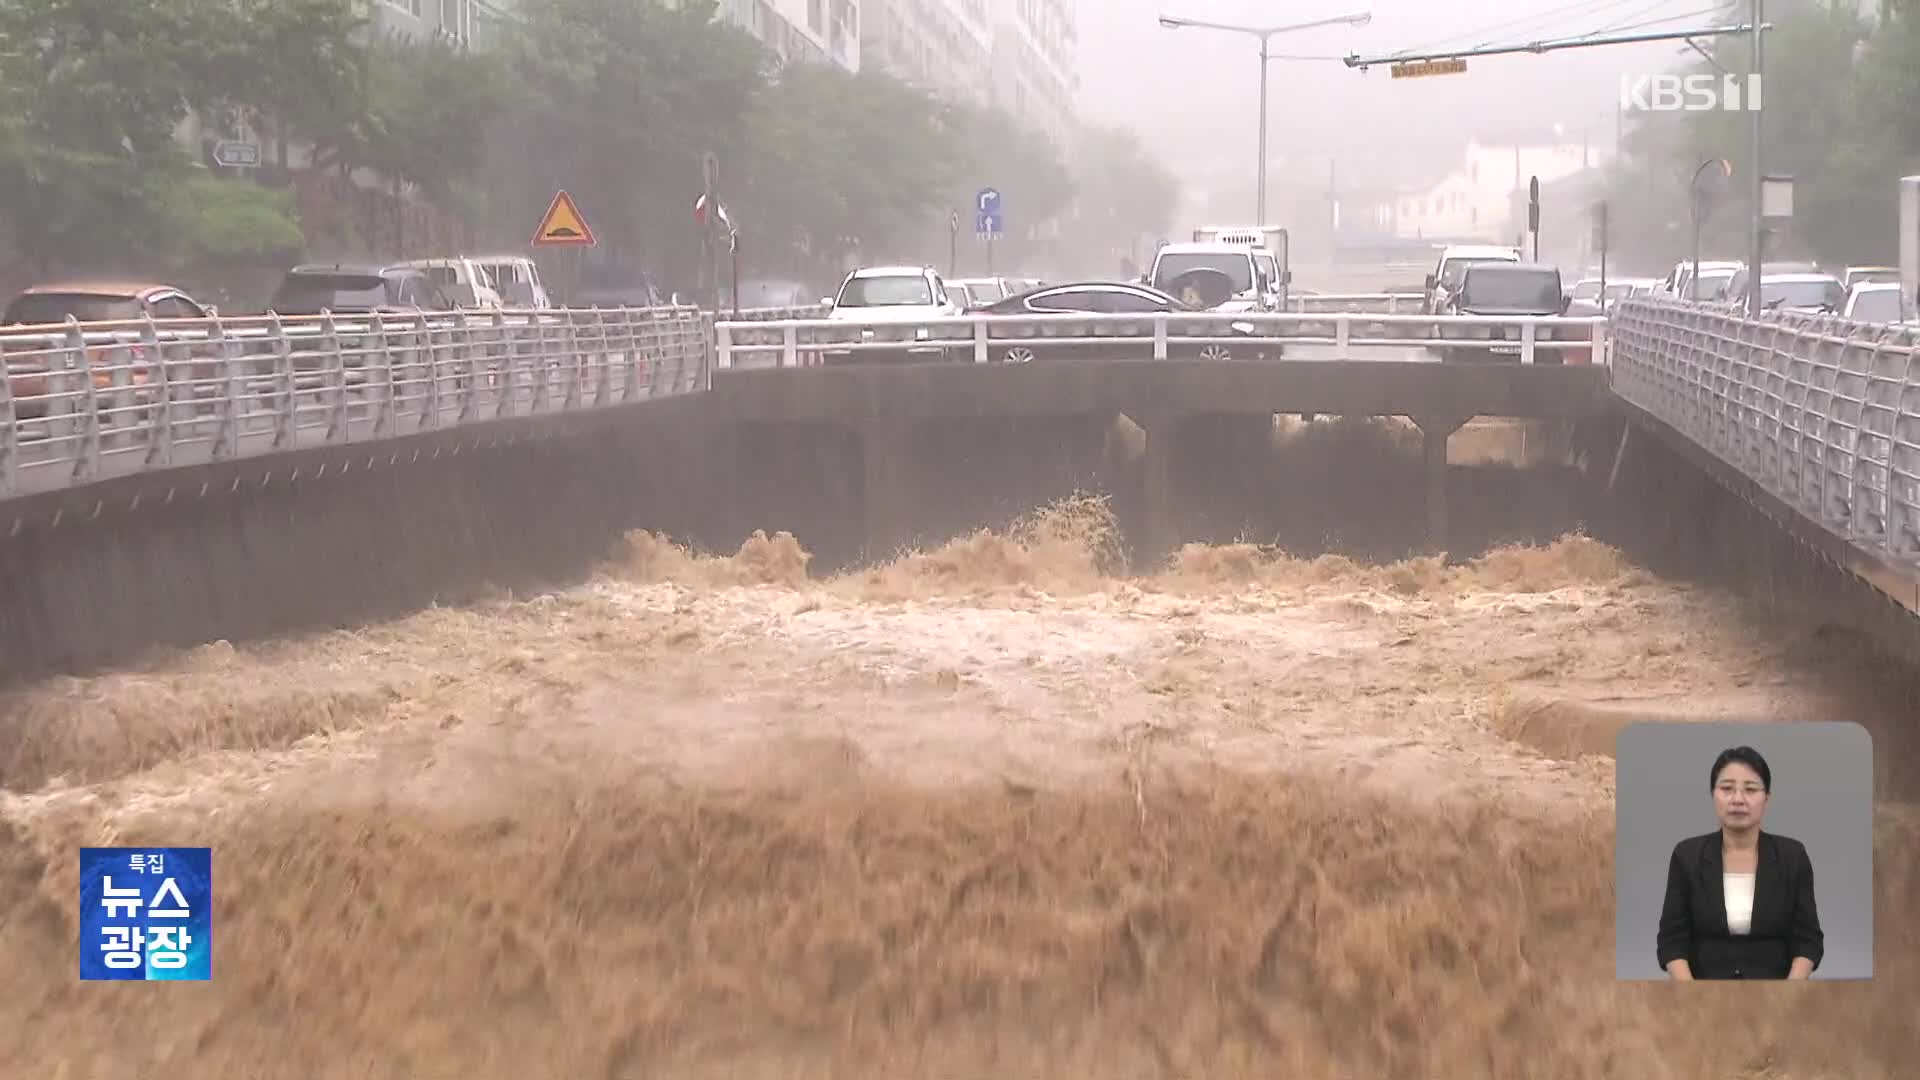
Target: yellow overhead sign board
pixel 1416 68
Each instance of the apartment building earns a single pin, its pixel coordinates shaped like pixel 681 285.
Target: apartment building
pixel 944 47
pixel 802 31
pixel 1036 62
pixel 456 20
pixel 1021 55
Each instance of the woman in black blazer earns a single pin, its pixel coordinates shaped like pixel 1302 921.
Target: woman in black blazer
pixel 1739 900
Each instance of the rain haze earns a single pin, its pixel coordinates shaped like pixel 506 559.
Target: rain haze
pixel 842 540
pixel 1192 93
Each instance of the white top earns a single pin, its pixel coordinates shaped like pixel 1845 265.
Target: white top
pixel 1739 890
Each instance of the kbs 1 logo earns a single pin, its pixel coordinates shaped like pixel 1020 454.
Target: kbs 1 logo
pixel 1690 93
pixel 146 913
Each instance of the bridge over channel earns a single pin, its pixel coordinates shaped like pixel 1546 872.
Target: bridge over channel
pixel 162 484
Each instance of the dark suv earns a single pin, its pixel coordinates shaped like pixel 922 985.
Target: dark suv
pixel 1506 290
pixel 357 290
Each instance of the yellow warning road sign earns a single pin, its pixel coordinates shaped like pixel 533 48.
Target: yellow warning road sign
pixel 563 226
pixel 1416 68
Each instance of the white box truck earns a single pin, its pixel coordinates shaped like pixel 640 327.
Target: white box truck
pixel 1271 238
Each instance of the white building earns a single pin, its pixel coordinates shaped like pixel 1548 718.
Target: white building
pixel 944 47
pixel 456 20
pixel 802 31
pixel 1476 200
pixel 1036 62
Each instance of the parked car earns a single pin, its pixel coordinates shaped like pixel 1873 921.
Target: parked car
pixel 1509 289
pixel 128 304
pixel 1856 275
pixel 1806 292
pixel 1453 263
pixel 357 290
pixel 1877 302
pixel 882 295
pixel 462 281
pixel 1108 298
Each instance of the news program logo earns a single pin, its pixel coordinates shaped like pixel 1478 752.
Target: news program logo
pixel 146 913
pixel 1689 93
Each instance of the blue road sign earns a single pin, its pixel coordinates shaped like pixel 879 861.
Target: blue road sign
pixel 987 218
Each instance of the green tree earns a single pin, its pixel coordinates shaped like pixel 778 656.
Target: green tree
pixel 617 101
pixel 1125 197
pixel 96 89
pixel 424 115
pixel 855 164
pixel 1833 97
pixel 995 150
pixel 295 70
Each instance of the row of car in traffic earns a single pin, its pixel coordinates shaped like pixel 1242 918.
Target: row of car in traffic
pixel 33 323
pixel 1868 294
pixel 446 284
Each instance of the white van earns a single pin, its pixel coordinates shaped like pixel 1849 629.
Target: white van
pixel 462 280
pixel 515 279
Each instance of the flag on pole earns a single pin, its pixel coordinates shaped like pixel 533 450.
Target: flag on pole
pixel 700 207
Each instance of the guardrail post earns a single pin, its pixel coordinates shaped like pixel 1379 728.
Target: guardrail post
pixel 226 440
pixel 603 367
pixel 634 358
pixel 1343 336
pixel 700 345
pixel 576 364
pixel 790 346
pixel 980 349
pixel 86 463
pixel 504 406
pixel 337 377
pixel 466 375
pixel 723 351
pixel 1529 333
pixel 1602 344
pixel 1160 337
pixel 386 401
pixel 9 436
pixel 286 417
pixel 160 396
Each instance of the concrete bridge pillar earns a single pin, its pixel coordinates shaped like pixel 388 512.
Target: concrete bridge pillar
pixel 886 489
pixel 1159 535
pixel 1435 430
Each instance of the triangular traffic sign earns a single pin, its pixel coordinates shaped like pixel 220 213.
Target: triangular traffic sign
pixel 563 226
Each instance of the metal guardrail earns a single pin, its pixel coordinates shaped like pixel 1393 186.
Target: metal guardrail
pixel 1388 303
pixel 1209 336
pixel 83 402
pixel 1822 412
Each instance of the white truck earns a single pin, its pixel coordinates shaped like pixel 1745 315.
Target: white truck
pixel 1270 254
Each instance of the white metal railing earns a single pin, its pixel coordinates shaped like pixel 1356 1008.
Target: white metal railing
pixel 1388 303
pixel 1210 335
pixel 82 402
pixel 1822 412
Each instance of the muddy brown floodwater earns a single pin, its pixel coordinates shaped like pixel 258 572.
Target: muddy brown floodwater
pixel 994 810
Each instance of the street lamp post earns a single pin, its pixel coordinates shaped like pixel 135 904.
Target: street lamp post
pixel 1699 215
pixel 1265 34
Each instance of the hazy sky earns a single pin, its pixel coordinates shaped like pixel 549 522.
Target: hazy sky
pixel 1194 93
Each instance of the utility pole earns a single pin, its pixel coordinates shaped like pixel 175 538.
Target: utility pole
pixel 1260 200
pixel 1756 241
pixel 1265 34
